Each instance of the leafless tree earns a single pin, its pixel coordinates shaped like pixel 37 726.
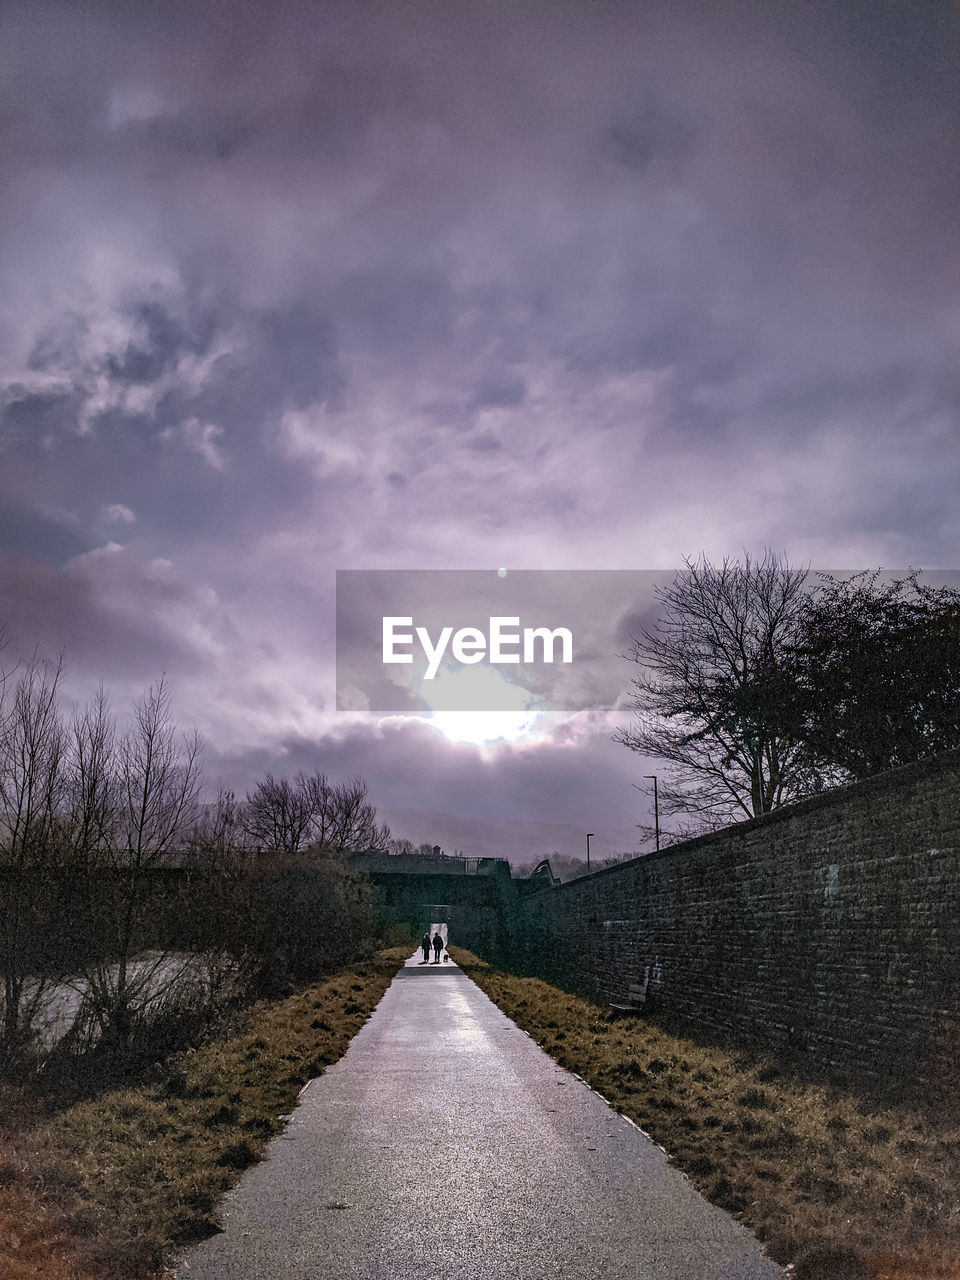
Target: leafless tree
pixel 93 793
pixel 277 814
pixel 285 816
pixel 32 748
pixel 401 846
pixel 157 790
pixel 320 797
pixel 217 834
pixel 708 675
pixel 350 821
pixel 159 780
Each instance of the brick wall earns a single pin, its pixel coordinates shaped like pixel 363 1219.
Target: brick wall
pixel 831 927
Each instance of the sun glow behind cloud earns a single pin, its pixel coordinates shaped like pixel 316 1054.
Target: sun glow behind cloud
pixel 453 688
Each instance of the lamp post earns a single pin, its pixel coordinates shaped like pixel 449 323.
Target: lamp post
pixel 656 807
pixel 589 834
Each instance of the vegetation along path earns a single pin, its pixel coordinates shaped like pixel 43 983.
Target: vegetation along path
pixel 446 1142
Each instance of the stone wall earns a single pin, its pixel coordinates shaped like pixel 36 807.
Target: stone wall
pixel 831 927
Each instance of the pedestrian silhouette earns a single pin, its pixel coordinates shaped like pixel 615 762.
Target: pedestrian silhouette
pixel 425 943
pixel 437 947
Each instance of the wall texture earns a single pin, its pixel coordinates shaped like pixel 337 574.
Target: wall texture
pixel 830 927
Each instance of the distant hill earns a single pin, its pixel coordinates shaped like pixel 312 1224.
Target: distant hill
pixel 517 840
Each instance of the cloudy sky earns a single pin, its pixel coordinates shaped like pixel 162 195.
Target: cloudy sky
pixel 291 288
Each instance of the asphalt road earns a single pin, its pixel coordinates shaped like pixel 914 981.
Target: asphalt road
pixel 446 1145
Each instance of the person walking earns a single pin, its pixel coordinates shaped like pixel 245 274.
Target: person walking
pixel 437 947
pixel 425 943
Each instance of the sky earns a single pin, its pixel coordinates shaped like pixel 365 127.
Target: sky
pixel 292 288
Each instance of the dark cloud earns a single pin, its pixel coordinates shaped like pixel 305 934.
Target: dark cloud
pixel 31 415
pixel 499 393
pixel 27 532
pixel 160 343
pixel 101 634
pixel 398 308
pixel 179 416
pixel 485 442
pixel 57 347
pixel 191 136
pixel 414 766
pixel 651 134
pixel 290 357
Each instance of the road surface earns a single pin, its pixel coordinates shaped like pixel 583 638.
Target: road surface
pixel 446 1145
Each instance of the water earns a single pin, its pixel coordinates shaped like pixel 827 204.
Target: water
pixel 152 979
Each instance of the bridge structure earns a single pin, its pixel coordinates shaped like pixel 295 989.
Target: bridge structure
pixel 476 897
pixel 479 910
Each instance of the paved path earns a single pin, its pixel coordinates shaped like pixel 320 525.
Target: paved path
pixel 446 1145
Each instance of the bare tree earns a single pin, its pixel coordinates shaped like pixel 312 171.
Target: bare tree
pixel 319 795
pixel 285 816
pixel 216 837
pixel 709 674
pixel 157 785
pixel 278 814
pixel 401 846
pixel 351 820
pixel 93 794
pixel 32 746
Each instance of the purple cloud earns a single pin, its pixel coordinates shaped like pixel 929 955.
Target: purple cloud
pixel 590 286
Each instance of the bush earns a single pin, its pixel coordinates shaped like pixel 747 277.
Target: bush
pixel 295 919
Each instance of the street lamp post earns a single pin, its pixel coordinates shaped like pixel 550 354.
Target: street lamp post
pixel 656 807
pixel 589 834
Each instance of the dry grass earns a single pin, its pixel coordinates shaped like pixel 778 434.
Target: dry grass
pixel 33 1241
pixel 845 1189
pixel 110 1188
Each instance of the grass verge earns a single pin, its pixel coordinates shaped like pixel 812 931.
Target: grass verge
pixel 844 1189
pixel 112 1187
